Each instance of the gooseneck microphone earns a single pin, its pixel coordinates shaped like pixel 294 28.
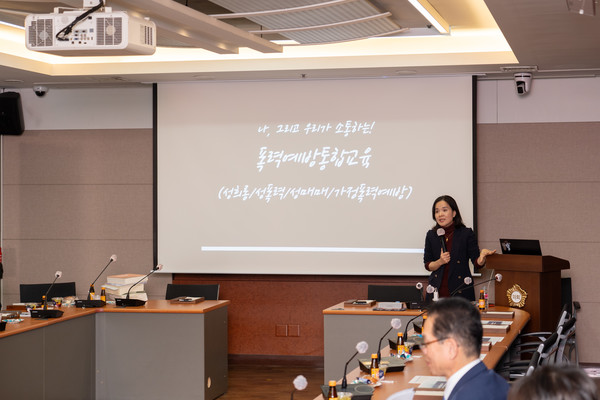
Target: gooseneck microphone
pixel 396 324
pixel 127 302
pixel 300 383
pixel 361 347
pixel 497 278
pixel 112 259
pixel 408 323
pixel 44 312
pixel 466 282
pixel 441 232
pixel 89 302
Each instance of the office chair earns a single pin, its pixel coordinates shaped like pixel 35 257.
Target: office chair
pixel 209 292
pixel 406 294
pixel 566 340
pixel 32 293
pixel 545 353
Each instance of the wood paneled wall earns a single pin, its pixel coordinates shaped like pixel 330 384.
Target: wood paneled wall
pixel 263 307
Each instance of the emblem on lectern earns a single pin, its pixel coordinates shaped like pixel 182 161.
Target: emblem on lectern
pixel 516 296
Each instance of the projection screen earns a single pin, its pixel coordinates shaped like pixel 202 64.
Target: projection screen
pixel 327 177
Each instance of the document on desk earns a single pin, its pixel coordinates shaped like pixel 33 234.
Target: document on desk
pixel 406 394
pixel 429 382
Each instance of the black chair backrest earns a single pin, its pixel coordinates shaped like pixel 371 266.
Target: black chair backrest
pixel 393 293
pixel 209 292
pixel 32 293
pixel 566 294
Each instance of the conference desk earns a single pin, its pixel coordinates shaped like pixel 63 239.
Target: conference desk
pixel 346 326
pixel 157 351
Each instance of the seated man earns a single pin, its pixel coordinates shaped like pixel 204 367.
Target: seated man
pixel 452 344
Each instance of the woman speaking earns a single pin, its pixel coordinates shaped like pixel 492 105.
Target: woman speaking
pixel 449 246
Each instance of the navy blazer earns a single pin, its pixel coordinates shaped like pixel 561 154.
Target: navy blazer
pixel 480 383
pixel 464 248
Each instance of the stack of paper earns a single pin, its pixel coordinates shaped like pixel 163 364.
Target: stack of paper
pixel 117 286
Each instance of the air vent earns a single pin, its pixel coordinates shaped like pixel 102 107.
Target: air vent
pixel 40 32
pixel 520 68
pixel 109 31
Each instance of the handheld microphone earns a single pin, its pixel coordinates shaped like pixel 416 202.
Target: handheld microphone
pixel 127 302
pixel 90 302
pixel 497 278
pixel 361 347
pixel 441 232
pixel 44 312
pixel 300 383
pixel 396 324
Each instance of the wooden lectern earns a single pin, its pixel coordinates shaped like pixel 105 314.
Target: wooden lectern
pixel 539 277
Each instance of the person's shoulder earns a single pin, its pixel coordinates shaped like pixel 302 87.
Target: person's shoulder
pixel 485 384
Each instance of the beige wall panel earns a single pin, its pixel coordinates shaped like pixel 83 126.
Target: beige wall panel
pixel 78 212
pixel 554 212
pixel 35 261
pixel 538 152
pixel 79 157
pixel 588 332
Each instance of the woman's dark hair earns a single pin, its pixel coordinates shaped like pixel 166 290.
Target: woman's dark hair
pixel 554 383
pixel 458 222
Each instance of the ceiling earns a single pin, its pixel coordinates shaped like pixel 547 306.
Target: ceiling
pixel 489 38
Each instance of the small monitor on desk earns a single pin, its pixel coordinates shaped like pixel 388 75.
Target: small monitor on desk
pixel 526 247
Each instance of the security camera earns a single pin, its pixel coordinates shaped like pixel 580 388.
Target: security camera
pixel 40 91
pixel 523 82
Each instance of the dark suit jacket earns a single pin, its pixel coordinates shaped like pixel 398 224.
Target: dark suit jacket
pixel 480 383
pixel 464 247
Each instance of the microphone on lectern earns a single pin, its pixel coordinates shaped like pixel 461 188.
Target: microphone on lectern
pixel 44 312
pixel 361 347
pixel 396 324
pixel 127 302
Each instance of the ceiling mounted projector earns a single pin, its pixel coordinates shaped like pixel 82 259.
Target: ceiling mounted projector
pixel 105 33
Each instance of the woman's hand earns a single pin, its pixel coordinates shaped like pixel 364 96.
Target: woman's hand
pixel 444 259
pixel 483 254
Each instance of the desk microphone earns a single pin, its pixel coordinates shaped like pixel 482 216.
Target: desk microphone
pixel 396 324
pixel 441 232
pixel 361 347
pixel 432 290
pixel 92 290
pixel 44 312
pixel 300 383
pixel 127 302
pixel 418 304
pixel 408 323
pixel 90 302
pixel 497 278
pixel 466 282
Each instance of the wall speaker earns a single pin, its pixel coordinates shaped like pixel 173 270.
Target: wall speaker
pixel 11 114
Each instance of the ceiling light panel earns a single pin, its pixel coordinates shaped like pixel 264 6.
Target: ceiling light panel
pixel 333 22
